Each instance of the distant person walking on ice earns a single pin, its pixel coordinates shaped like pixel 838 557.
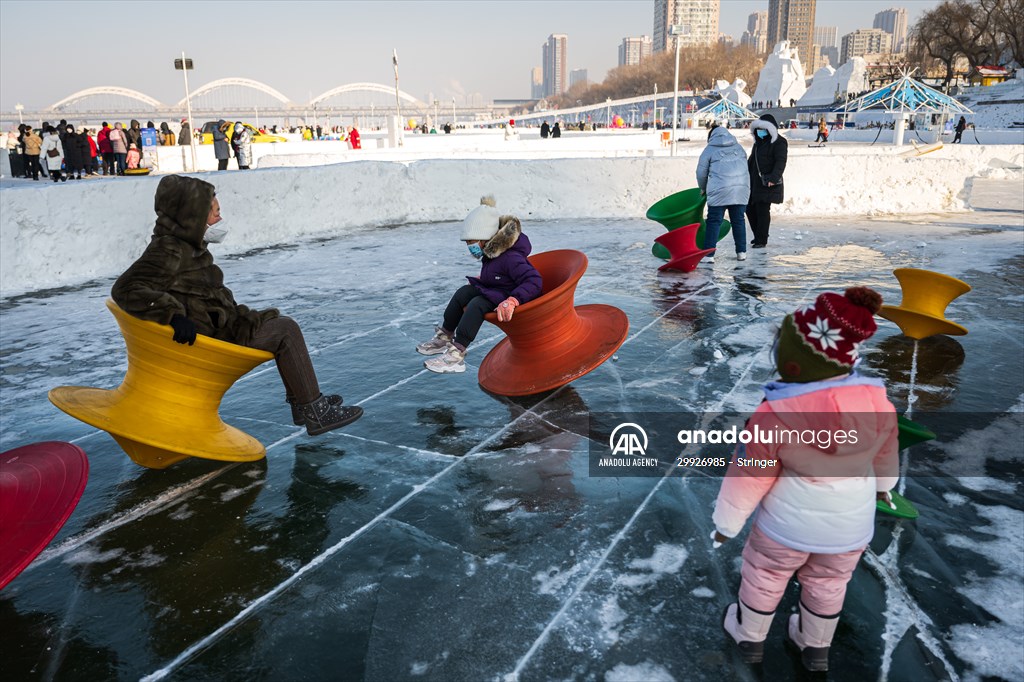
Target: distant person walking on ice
pixel 722 176
pixel 766 164
pixel 556 131
pixel 507 279
pixel 545 130
pixel 354 140
pixel 176 282
pixel 815 503
pixel 822 131
pixel 961 126
pixel 510 130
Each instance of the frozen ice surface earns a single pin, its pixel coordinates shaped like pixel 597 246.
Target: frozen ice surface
pixel 452 535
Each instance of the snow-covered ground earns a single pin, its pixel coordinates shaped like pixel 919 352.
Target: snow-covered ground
pixel 996 106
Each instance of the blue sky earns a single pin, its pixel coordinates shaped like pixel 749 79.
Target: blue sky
pixel 303 48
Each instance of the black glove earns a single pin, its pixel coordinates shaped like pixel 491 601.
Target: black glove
pixel 184 329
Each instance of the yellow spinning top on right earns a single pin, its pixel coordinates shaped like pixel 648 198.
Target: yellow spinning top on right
pixel 922 312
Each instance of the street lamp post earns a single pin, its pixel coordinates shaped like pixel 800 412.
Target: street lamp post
pixel 20 107
pixel 184 65
pixel 435 113
pixel 677 30
pixel 453 112
pixel 654 122
pixel 398 102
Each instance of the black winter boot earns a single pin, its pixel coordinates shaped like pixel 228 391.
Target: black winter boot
pixel 321 416
pixel 297 418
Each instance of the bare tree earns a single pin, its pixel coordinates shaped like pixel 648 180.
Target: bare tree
pixel 1009 17
pixel 934 38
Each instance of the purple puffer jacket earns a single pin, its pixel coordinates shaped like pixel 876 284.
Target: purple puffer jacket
pixel 506 270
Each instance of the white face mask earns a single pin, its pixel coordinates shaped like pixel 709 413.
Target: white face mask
pixel 215 233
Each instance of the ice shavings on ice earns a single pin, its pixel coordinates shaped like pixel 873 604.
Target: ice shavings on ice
pixel 666 559
pixel 994 649
pixel 92 556
pixel 703 593
pixel 641 672
pixel 554 579
pixel 499 505
pixel 611 615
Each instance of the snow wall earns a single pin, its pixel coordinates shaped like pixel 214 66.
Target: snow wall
pixel 52 237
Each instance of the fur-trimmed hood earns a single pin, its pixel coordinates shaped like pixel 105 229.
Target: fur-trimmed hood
pixel 766 122
pixel 505 238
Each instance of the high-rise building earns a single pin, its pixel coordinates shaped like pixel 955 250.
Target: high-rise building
pixel 864 41
pixel 894 22
pixel 826 36
pixel 792 20
pixel 555 71
pixel 756 35
pixel 701 16
pixel 632 51
pixel 825 49
pixel 757 22
pixel 577 76
pixel 536 82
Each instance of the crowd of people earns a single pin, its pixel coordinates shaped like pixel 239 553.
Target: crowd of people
pixel 64 152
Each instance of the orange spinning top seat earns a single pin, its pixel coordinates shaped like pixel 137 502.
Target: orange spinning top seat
pixel 922 312
pixel 682 247
pixel 550 341
pixel 166 409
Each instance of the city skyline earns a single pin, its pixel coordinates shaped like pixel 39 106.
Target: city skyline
pixel 445 48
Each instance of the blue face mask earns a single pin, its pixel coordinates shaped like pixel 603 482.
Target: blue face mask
pixel 477 252
pixel 761 133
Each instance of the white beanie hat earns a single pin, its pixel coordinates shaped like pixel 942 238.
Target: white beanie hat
pixel 482 221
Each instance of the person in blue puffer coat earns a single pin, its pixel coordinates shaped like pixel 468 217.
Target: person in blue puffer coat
pixel 507 280
pixel 723 176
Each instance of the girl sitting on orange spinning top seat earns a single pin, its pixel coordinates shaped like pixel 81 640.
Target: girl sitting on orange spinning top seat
pixel 507 279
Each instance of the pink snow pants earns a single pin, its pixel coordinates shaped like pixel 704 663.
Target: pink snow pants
pixel 768 566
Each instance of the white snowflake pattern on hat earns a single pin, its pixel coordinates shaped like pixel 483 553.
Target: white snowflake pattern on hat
pixel 825 336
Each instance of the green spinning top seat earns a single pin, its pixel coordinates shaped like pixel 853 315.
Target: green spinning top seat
pixel 679 209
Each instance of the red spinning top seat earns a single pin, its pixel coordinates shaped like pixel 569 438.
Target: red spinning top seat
pixel 682 245
pixel 40 485
pixel 550 341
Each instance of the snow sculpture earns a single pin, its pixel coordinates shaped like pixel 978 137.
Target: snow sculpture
pixel 828 84
pixel 734 92
pixel 782 77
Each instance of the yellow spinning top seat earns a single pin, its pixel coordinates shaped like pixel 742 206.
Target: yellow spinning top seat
pixel 922 312
pixel 166 409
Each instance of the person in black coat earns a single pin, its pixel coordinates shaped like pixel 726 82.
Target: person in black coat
pixel 73 162
pixel 766 164
pixel 85 151
pixel 961 126
pixel 556 131
pixel 544 129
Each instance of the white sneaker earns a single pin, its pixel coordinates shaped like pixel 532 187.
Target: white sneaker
pixel 741 256
pixel 710 260
pixel 452 362
pixel 436 345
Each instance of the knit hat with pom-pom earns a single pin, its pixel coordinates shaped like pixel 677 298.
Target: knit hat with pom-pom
pixel 822 340
pixel 482 221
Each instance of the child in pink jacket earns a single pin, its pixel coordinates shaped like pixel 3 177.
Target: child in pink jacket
pixel 814 494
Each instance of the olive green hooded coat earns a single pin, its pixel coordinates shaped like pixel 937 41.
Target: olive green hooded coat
pixel 175 275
